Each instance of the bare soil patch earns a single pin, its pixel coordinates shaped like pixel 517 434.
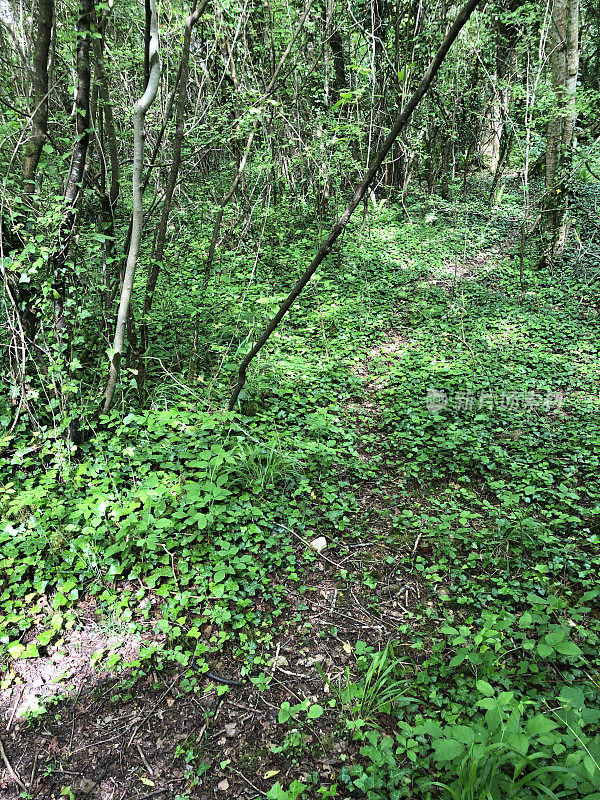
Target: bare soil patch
pixel 118 738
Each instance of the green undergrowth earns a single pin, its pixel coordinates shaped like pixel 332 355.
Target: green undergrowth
pixel 487 428
pixel 175 497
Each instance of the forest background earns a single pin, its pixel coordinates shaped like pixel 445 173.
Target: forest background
pixel 276 275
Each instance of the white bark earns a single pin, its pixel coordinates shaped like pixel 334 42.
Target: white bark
pixel 139 115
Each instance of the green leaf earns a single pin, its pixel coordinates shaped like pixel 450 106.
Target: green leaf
pixel 277 792
pixel 554 638
pixel 447 749
pixel 459 657
pixel 504 698
pixel 315 711
pixel 30 651
pixel 539 725
pixel 572 697
pixel 485 688
pixel 525 620
pixel 567 648
pixel 45 637
pixel 15 649
pixel 590 765
pixel 464 734
pixel 519 742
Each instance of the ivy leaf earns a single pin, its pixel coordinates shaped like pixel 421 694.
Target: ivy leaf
pixel 45 637
pixel 15 649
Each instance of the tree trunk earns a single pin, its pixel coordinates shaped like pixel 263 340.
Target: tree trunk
pixel 173 172
pixel 325 249
pixel 39 118
pixel 339 65
pixel 227 197
pixel 564 64
pixel 139 115
pixel 107 110
pixel 506 67
pixel 504 157
pixel 77 166
pixel 107 138
pixel 445 169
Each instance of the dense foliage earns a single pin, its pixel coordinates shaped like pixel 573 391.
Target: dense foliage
pixel 433 393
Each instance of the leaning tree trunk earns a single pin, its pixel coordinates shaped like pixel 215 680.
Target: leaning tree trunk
pixel 39 118
pixel 564 64
pixel 325 249
pixel 139 115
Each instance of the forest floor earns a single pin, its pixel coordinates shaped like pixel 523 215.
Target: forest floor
pixel 459 525
pixel 116 738
pixel 112 740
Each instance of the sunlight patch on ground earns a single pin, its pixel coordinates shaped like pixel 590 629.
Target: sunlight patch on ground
pixel 74 662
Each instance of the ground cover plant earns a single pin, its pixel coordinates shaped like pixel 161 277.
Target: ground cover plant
pixel 299 403
pixel 430 408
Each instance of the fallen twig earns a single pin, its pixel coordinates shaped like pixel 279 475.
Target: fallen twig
pixel 416 544
pixel 14 710
pixel 244 778
pixel 144 760
pixel 9 767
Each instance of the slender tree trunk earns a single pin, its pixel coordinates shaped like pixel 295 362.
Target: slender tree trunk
pixel 107 139
pixel 339 65
pixel 147 41
pixel 506 68
pixel 107 110
pixel 327 20
pixel 173 172
pixel 75 177
pixel 506 146
pixel 325 249
pixel 445 169
pixel 39 119
pixel 411 163
pixel 139 115
pixel 153 157
pixel 228 196
pixel 564 64
pixel 496 128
